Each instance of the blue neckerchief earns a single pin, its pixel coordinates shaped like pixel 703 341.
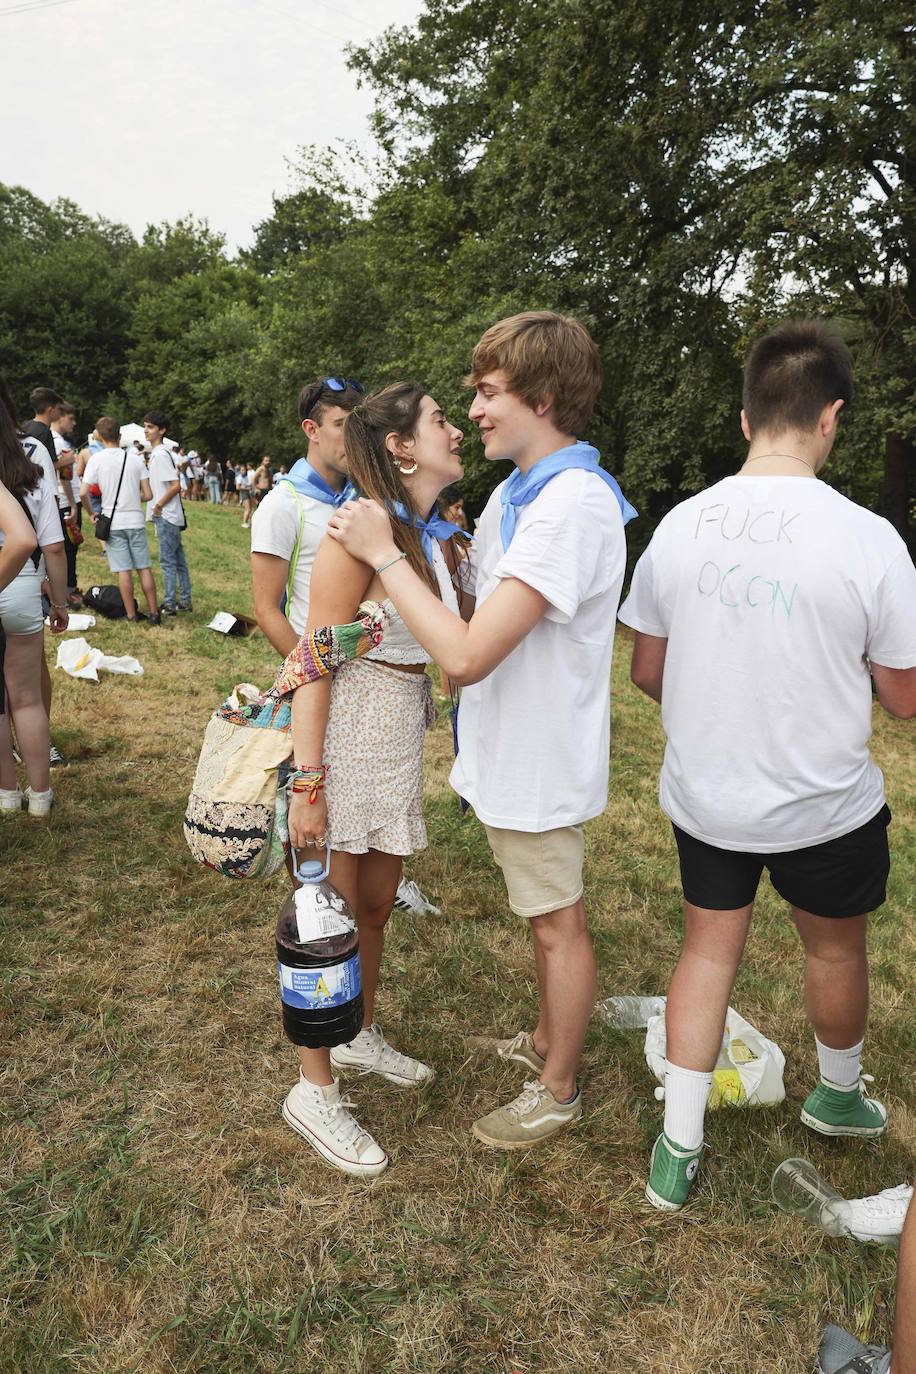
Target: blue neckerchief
pixel 522 487
pixel 303 478
pixel 433 528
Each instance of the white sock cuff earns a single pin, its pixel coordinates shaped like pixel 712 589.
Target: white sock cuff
pixel 686 1093
pixel 840 1068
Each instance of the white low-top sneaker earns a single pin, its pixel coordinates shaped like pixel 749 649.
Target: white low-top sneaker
pixel 410 898
pixel 877 1219
pixel 321 1116
pixel 39 802
pixel 11 800
pixel 371 1053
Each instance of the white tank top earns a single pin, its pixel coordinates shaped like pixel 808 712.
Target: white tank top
pixel 398 644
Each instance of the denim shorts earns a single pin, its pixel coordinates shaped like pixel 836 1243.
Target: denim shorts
pixel 20 604
pixel 127 549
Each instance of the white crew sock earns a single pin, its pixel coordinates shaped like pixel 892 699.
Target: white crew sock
pixel 839 1068
pixel 686 1092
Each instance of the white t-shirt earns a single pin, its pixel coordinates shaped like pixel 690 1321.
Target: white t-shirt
pixel 104 469
pixel 275 528
pixel 42 503
pixel 162 473
pixel 241 479
pixel 771 591
pixel 534 736
pixel 61 446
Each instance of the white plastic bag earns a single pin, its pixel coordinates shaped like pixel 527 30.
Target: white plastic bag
pixel 748 1072
pixel 78 659
pixel 77 621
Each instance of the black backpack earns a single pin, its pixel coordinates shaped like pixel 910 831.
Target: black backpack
pixel 107 601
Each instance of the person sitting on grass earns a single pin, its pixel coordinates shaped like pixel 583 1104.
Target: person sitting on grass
pixel 759 606
pixel 841 1353
pixel 122 479
pixel 358 739
pixel 534 663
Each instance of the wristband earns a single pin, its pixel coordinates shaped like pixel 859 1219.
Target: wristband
pixel 389 564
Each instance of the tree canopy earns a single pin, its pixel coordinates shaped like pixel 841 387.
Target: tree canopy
pixel 679 176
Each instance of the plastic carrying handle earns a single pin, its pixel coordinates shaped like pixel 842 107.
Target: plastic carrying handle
pixel 312 871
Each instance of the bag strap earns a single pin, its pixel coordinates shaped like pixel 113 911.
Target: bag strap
pixel 178 492
pixel 294 560
pixel 118 492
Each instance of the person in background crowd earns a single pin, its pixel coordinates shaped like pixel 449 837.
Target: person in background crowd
pixel 127 546
pixel 22 620
pixel 263 479
pixel 229 492
pixel 45 404
pixel 243 486
pixel 290 521
pixel 250 496
pixel 168 516
pixel 213 475
pixel 62 429
pixel 759 607
pixel 451 508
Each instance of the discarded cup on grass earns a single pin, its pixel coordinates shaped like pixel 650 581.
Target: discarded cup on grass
pixel 799 1190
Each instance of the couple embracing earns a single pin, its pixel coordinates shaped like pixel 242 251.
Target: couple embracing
pixel 523 621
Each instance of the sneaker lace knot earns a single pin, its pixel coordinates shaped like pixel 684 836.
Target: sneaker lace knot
pixel 529 1098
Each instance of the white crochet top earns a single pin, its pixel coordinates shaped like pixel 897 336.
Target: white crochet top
pixel 398 644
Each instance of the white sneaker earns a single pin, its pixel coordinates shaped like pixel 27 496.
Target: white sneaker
pixel 39 802
pixel 11 799
pixel 878 1219
pixel 410 898
pixel 371 1053
pixel 321 1117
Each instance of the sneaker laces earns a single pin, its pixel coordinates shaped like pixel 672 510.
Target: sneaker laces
pixel 340 1121
pixel 886 1203
pixel 518 1042
pixel 527 1100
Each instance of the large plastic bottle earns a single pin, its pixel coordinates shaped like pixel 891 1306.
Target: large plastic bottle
pixel 318 961
pixel 630 1013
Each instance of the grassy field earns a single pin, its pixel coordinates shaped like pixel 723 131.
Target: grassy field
pixel 159 1217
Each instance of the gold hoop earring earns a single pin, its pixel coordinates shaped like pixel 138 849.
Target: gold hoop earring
pixel 407 472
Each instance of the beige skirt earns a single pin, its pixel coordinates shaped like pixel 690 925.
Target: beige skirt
pixel 374 752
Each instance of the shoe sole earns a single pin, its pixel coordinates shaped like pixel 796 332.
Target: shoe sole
pixel 344 1066
pixel 824 1128
pixel 344 1166
pixel 497 1144
pixel 662 1203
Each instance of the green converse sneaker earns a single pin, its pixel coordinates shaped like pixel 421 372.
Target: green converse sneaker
pixel 672 1172
pixel 844 1111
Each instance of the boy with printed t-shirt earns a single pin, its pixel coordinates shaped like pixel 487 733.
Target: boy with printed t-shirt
pixel 167 515
pixel 290 521
pixel 534 661
pixel 121 478
pixel 758 607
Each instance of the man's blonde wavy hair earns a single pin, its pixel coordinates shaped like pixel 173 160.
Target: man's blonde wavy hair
pixel 545 357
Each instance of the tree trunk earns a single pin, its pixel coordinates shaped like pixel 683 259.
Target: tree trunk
pixel 899 456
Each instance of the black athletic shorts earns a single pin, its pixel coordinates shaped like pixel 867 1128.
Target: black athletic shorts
pixel 842 877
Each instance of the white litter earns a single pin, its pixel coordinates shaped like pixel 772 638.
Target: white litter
pixel 749 1070
pixel 78 659
pixel 77 621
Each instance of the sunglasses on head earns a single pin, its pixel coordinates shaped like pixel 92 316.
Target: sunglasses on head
pixel 334 384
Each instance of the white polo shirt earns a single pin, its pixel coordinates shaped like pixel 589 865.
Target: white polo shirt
pixel 274 530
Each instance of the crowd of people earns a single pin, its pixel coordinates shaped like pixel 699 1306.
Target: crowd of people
pixel 765 612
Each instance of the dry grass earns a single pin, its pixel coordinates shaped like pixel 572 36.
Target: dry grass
pixel 160 1217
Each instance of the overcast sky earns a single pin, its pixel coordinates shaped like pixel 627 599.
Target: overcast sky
pixel 147 110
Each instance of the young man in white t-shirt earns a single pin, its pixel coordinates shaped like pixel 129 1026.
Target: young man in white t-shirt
pixel 290 521
pixel 122 479
pixel 758 607
pixel 534 662
pixel 167 515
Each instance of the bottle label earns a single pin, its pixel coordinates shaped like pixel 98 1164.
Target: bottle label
pixel 313 989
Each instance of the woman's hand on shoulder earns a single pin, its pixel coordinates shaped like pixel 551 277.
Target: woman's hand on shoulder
pixel 363 527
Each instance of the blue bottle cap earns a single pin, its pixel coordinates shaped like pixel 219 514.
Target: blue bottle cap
pixel 311 871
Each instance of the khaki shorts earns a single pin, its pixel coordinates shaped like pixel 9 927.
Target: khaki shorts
pixel 543 870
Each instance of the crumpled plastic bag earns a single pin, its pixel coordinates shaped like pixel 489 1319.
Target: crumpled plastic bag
pixel 77 621
pixel 78 659
pixel 748 1072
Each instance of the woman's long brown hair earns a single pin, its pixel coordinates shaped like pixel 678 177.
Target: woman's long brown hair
pixel 17 472
pixel 395 410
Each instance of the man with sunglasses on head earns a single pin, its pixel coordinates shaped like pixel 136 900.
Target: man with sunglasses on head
pixel 291 519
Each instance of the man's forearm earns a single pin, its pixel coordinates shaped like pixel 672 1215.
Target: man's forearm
pixel 277 629
pixel 442 634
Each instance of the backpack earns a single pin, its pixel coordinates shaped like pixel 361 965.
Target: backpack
pixel 107 601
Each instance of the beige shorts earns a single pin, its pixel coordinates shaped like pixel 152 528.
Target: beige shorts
pixel 543 870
